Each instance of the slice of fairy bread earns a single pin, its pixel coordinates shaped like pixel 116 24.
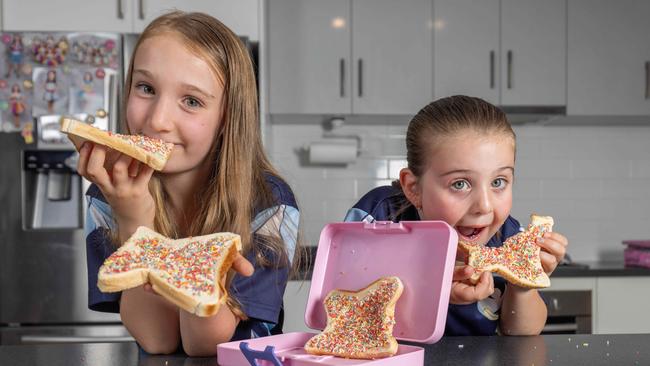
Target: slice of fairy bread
pixel 151 151
pixel 517 260
pixel 360 323
pixel 189 272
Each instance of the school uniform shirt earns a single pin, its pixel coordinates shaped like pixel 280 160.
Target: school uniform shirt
pixel 260 295
pixel 480 318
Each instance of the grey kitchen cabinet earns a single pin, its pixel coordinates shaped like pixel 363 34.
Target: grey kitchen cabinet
pixel 349 56
pixel 509 52
pixel 608 57
pixel 623 305
pixel 126 16
pixel 68 15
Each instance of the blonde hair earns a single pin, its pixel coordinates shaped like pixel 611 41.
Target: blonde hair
pixel 447 117
pixel 237 178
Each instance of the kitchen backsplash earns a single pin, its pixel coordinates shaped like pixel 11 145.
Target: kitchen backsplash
pixel 594 180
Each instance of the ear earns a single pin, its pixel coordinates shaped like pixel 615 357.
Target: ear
pixel 410 186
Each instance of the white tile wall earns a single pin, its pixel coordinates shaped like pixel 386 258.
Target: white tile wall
pixel 595 180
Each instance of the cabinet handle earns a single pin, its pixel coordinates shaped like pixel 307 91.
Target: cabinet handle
pixel 141 9
pixel 120 11
pixel 342 77
pixel 491 69
pixel 360 63
pixel 509 69
pixel 647 80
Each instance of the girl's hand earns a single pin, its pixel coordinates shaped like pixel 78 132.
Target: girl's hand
pixel 553 250
pixel 122 180
pixel 240 265
pixel 464 292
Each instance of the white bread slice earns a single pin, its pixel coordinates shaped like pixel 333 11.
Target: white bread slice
pixel 360 323
pixel 151 151
pixel 189 272
pixel 517 260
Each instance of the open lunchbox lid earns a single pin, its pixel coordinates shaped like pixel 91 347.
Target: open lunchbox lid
pixel 351 255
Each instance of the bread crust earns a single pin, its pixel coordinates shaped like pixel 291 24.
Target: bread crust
pixel 529 273
pixel 79 131
pixel 110 279
pixel 338 339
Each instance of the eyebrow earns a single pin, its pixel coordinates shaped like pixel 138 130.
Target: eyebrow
pixel 467 171
pixel 184 85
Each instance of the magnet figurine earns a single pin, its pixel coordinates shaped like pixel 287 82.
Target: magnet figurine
pixel 15 60
pixel 50 90
pixel 17 104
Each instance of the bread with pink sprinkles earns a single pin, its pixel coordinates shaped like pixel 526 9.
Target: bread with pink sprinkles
pixel 360 323
pixel 189 272
pixel 517 260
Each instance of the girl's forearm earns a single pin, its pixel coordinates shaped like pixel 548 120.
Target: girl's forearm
pixel 200 335
pixel 523 312
pixel 151 320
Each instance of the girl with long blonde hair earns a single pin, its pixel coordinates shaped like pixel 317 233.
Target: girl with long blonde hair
pixel 191 82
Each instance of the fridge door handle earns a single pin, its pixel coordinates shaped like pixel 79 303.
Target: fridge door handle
pixel 30 339
pixel 113 109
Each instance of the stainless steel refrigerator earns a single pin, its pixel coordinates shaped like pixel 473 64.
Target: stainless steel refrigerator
pixel 43 275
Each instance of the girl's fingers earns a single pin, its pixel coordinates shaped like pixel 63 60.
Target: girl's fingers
pixel 553 247
pixel 549 261
pixel 148 288
pixel 95 170
pixel 134 168
pixel 485 286
pixel 82 161
pixel 242 265
pixel 462 273
pixel 120 172
pixel 144 175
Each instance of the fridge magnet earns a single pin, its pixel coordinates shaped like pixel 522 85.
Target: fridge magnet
pixel 28 133
pixel 50 91
pixel 86 92
pixel 3 83
pixel 17 104
pixel 94 49
pixel 14 47
pixel 49 52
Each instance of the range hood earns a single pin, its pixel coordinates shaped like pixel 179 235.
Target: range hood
pixel 533 114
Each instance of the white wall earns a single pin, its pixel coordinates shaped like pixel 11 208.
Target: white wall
pixel 594 180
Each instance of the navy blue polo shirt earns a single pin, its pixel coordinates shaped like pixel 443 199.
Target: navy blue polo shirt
pixel 480 318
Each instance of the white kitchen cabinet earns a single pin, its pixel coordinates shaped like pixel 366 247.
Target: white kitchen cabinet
pixel 608 57
pixel 623 304
pixel 241 16
pixel 67 15
pixel 349 56
pixel 295 304
pixel 466 48
pixel 127 16
pixel 509 52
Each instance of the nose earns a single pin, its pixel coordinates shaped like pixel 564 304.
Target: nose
pixel 161 115
pixel 482 201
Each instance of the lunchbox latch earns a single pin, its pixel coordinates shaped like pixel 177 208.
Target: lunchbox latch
pixel 387 227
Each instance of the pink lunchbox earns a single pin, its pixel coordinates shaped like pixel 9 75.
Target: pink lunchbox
pixel 637 253
pixel 350 256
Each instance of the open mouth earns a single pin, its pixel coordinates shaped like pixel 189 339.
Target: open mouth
pixel 469 233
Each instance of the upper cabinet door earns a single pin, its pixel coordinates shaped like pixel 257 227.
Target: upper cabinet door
pixel 391 56
pixel 67 15
pixel 241 16
pixel 466 48
pixel 309 56
pixel 609 57
pixel 533 52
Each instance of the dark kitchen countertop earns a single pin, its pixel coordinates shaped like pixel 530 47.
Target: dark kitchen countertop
pixel 578 269
pixel 574 350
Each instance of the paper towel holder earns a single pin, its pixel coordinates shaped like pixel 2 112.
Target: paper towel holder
pixel 334 123
pixel 329 126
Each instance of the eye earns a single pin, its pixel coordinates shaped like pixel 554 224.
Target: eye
pixel 144 88
pixel 460 185
pixel 192 102
pixel 499 183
